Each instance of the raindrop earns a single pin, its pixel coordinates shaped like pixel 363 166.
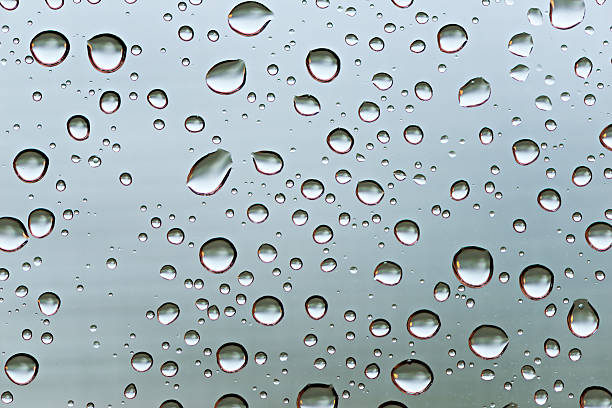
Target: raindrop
pixel 583 67
pixel 130 391
pixel 552 348
pixel 474 92
pixel 312 189
pixel 521 44
pixel 226 77
pixel 78 127
pixel 582 176
pixel 382 81
pixel 317 396
pixel 407 232
pixel 231 401
pixel 158 99
pixel 369 192
pixel 488 342
pixel 249 18
pixel 49 303
pixel 257 213
pixel 519 73
pixel 49 48
pixel 452 38
pixel 388 273
pixel 316 307
pixel 106 52
pixel 582 319
pixel 210 172
pixel 30 165
pixel 412 376
pixel 21 368
pixel 340 140
pixel 231 357
pixel 525 151
pixel 267 162
pixel 323 64
pixel 423 91
pixel 441 292
pixel 109 102
pixel 194 124
pixel 473 266
pixel 460 190
pixel 9 5
pixel 369 111
pixel 536 281
pixel 41 222
pixel 142 361
pixel 605 137
pixel 595 397
pixel 306 105
pixel 549 200
pixel 268 311
pixel 543 103
pixel 13 235
pixel 168 313
pixel 413 134
pixel 218 255
pixel 423 324
pixel 599 236
pixel 380 328
pixel 565 14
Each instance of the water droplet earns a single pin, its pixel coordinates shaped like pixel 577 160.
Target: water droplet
pixel 452 38
pixel 171 404
pixel 582 319
pixel 599 236
pixel 249 18
pixel 388 273
pixel 194 124
pixel 231 357
pixel 30 165
pixel 158 99
pixel 581 176
pixel 407 232
pixel 369 111
pixel 306 105
pixel 141 361
pixel 441 292
pixel 78 127
pixel 423 324
pixel 543 103
pixel 218 255
pixel 257 213
pixel 13 235
pixel 473 266
pixel 392 404
pixel 267 162
pixel 340 140
pixel 312 189
pixel 583 67
pixel 525 151
pixel 459 190
pixel 382 81
pixel 316 307
pixel 106 52
pixel 521 44
pixel 210 172
pixel 595 397
pixel 323 64
pixel 49 303
pixel 403 3
pixel 536 281
pixel 423 91
pixel 519 73
pixel 110 102
pixel 549 200
pixel 488 342
pixel 49 48
pixel 130 391
pixel 534 15
pixel 227 77
pixel 9 5
pixel 168 313
pixel 369 192
pixel 317 396
pixel 565 14
pixel 231 401
pixel 268 310
pixel 41 222
pixel 169 369
pixel 413 134
pixel 185 33
pixel 412 376
pixel 552 348
pixel 605 137
pixel 380 328
pixel 21 368
pixel 474 92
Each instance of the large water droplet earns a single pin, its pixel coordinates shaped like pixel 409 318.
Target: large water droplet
pixel 9 5
pixel 474 92
pixel 525 151
pixel 323 64
pixel 141 361
pixel 413 134
pixel 392 404
pixel 312 189
pixel 157 98
pixel 382 81
pixel 536 281
pixel 549 200
pixel 316 307
pixel 249 18
pixel 218 255
pixel 473 266
pixel 407 232
pixel 78 127
pixel 488 342
pixel 257 213
pixel 521 44
pixel 317 396
pixel 423 324
pixel 13 235
pixel 41 222
pixel 452 38
pixel 582 319
pixel 369 192
pixel 21 368
pixel 210 172
pixel 30 165
pixel 171 404
pixel 168 313
pixel 49 48
pixel 582 176
pixel 268 310
pixel 368 111
pixel 599 236
pixel 226 77
pixel 110 102
pixel 583 67
pixel 388 273
pixel 340 140
pixel 106 52
pixel 459 190
pixel 605 137
pixel 231 357
pixel 412 376
pixel 306 105
pixel 267 162
pixel 49 303
pixel 566 14
pixel 231 401
pixel 596 397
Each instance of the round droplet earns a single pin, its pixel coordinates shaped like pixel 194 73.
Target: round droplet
pixel 488 342
pixel 231 401
pixel 340 140
pixel 41 222
pixel 49 48
pixel 382 81
pixel 369 192
pixel 543 103
pixel 13 235
pixel 403 3
pixel 552 348
pixel 227 77
pixel 249 18
pixel 582 319
pixel 231 357
pixel 194 124
pixel 268 310
pixel 459 190
pixel 209 173
pixel 169 369
pixel 185 33
pixel 316 307
pixel 582 176
pixel 9 5
pixel 413 134
pixel 312 189
pixel 441 292
pixel 412 376
pixel 407 232
pixel 392 404
pixel 257 213
pixel 525 151
pixel 30 165
pixel 599 236
pixel 423 324
pixel 595 397
pixel 110 102
pixel 565 14
pixel 55 4
pixel 536 281
pixel 158 99
pixel 267 162
pixel 369 111
pixel 218 255
pixel 521 44
pixel 605 137
pixel 168 313
pixel 106 52
pixel 380 328
pixel 306 105
pixel 171 404
pixel 549 200
pixel 317 396
pixel 423 91
pixel 49 303
pixel 452 38
pixel 474 92
pixel 323 64
pixel 473 266
pixel 21 368
pixel 388 273
pixel 78 127
pixel 130 391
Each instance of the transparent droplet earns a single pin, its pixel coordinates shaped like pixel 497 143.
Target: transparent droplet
pixel 599 236
pixel 306 105
pixel 452 38
pixel 459 190
pixel 388 273
pixel 249 18
pixel 49 303
pixel 312 189
pixel 218 255
pixel 231 357
pixel 194 124
pixel 582 319
pixel 185 33
pixel 473 266
pixel 168 313
pixel 403 3
pixel 171 404
pixel 323 64
pixel 316 307
pixel 158 99
pixel 78 127
pixel 488 342
pixel 565 14
pixel 41 222
pixel 49 48
pixel 605 137
pixel 407 232
pixel 340 140
pixel 369 192
pixel 595 397
pixel 169 369
pixel 582 176
pixel 519 73
pixel 106 52
pixel 110 102
pixel 227 77
pixel 552 348
pixel 534 15
pixel 475 92
pixel 412 376
pixel 583 67
pixel 142 361
pixel 257 213
pixel 441 292
pixel 382 81
pixel 549 200
pixel 268 310
pixel 368 111
pixel 267 162
pixel 30 165
pixel 21 368
pixel 521 44
pixel 525 151
pixel 536 281
pixel 423 91
pixel 13 235
pixel 130 391
pixel 317 396
pixel 210 172
pixel 423 324
pixel 413 134
pixel 543 103
pixel 231 401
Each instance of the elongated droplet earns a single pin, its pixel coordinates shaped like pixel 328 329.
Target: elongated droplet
pixel 209 173
pixel 582 319
pixel 41 222
pixel 452 38
pixel 13 235
pixel 49 303
pixel 599 236
pixel 536 281
pixel 596 397
pixel 30 165
pixel 473 266
pixel 106 52
pixel 249 18
pixel 306 105
pixel 231 357
pixel 49 48
pixel 565 14
pixel 317 396
pixel 323 64
pixel 130 391
pixel 227 77
pixel 78 127
pixel 488 342
pixel 21 368
pixel 168 313
pixel 218 255
pixel 267 162
pixel 475 92
pixel 412 376
pixel 583 67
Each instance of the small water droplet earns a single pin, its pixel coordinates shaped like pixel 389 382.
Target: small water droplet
pixel 452 38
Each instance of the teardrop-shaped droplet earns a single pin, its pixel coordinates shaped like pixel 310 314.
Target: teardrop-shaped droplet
pixel 249 18
pixel 596 397
pixel 316 307
pixel 21 368
pixel 525 151
pixel 521 44
pixel 49 48
pixel 388 273
pixel 369 192
pixel 209 173
pixel 599 236
pixel 130 391
pixel 317 396
pixel 267 162
pixel 13 235
pixel 549 200
pixel 583 67
pixel 441 292
pixel 412 376
pixel 141 361
pixel 168 313
pixel 41 222
pixel 605 137
pixel 473 266
pixel 452 38
pixel 49 303
pixel 231 357
pixel 423 324
pixel 227 77
pixel 306 105
pixel 323 64
pixel 231 401
pixel 459 190
pixel 407 232
pixel 30 165
pixel 536 281
pixel 488 342
pixel 582 319
pixel 565 14
pixel 552 348
pixel 78 127
pixel 474 92
pixel 268 311
pixel 106 52
pixel 218 255
pixel 110 102
pixel 340 140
